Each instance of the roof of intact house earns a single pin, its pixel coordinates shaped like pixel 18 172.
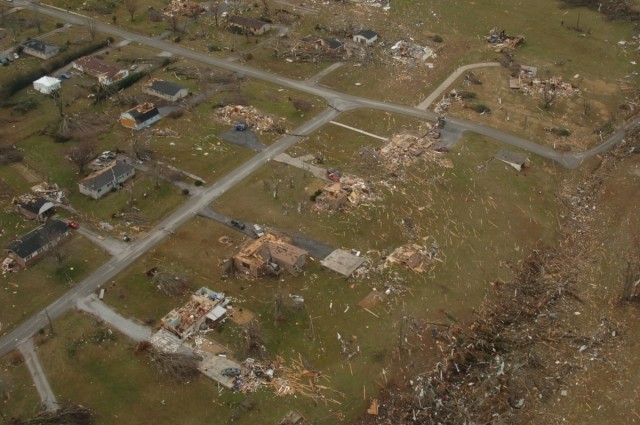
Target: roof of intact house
pixel 368 34
pixel 37 238
pixel 40 46
pixel 165 87
pixel 247 22
pixel 143 112
pixel 108 174
pixel 94 65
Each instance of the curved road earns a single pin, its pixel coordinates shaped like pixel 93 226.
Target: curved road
pixel 340 101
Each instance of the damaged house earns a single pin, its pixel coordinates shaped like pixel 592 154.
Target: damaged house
pixel 140 116
pixel 203 311
pixel 413 256
pixel 105 72
pixel 109 178
pixel 334 197
pixel 26 250
pixel 40 49
pixel 269 254
pixel 250 25
pixel 33 207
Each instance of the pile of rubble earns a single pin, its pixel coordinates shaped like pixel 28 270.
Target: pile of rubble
pixel 417 257
pixel 164 132
pixel 402 149
pixel 533 86
pixel 384 4
pixel 500 40
pixel 410 53
pixel 50 192
pixel 249 115
pixel 348 191
pixel 294 380
pixel 183 8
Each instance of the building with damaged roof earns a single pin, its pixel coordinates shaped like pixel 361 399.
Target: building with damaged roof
pixel 269 254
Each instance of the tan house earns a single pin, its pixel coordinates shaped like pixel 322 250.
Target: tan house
pixel 105 72
pixel 40 49
pixel 269 254
pixel 254 26
pixel 165 90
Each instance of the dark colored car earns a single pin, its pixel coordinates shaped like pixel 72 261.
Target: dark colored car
pixel 231 372
pixel 238 224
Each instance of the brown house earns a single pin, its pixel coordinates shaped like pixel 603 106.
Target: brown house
pixel 254 26
pixel 105 72
pixel 269 254
pixel 333 198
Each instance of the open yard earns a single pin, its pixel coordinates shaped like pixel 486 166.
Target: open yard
pixel 19 396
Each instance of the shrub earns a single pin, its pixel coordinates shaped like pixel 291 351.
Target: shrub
pixel 198 182
pixel 437 38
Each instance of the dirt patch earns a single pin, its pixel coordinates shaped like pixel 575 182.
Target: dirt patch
pixel 370 300
pixel 28 174
pixel 241 316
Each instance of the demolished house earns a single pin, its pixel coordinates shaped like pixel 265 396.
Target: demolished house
pixel 408 53
pixel 257 121
pixel 500 40
pixel 404 148
pixel 34 207
pixel 414 256
pixel 269 254
pixel 323 43
pixel 527 83
pixel 184 8
pixel 253 26
pixel 349 190
pixel 204 310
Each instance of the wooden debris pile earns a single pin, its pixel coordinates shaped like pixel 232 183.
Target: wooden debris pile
pixel 404 148
pixel 232 114
pixel 348 191
pixel 296 379
pixel 409 53
pixel 183 8
pixel 417 257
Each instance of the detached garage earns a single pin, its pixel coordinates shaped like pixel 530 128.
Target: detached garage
pixel 46 85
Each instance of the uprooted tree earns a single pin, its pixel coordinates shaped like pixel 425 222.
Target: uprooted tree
pixel 172 284
pixel 176 367
pixel 72 414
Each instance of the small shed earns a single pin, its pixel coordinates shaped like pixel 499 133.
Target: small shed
pixel 46 85
pixel 514 159
pixel 367 37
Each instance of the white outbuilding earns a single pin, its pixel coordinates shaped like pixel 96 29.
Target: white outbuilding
pixel 46 85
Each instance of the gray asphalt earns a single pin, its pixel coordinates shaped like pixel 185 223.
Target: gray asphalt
pixel 130 328
pixel 340 101
pixel 134 250
pixel 37 374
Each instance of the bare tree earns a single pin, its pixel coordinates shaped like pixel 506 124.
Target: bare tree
pixel 132 7
pixel 302 105
pixel 92 29
pixel 252 339
pixel 174 23
pixel 175 367
pixel 36 16
pixel 172 284
pixel 73 414
pixel 82 155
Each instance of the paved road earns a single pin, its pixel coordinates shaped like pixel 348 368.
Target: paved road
pixel 453 77
pixel 340 101
pixel 130 328
pixel 109 244
pixel 134 250
pixel 37 374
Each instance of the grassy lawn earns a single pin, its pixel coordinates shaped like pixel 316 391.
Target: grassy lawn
pixel 29 291
pixel 19 396
pixel 123 387
pixel 523 114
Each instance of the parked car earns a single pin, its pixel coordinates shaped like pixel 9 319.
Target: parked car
pixel 65 76
pixel 231 372
pixel 73 224
pixel 238 224
pixel 107 156
pixel 258 230
pixel 241 127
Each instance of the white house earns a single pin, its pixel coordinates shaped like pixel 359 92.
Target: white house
pixel 365 36
pixel 165 90
pixel 46 85
pixel 109 178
